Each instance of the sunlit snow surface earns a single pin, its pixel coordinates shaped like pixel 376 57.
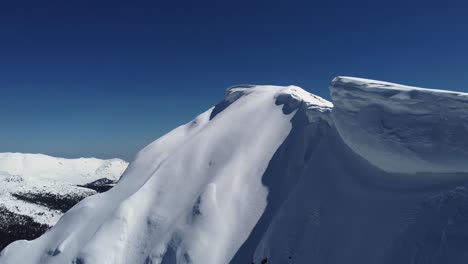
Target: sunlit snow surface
pixel 277 175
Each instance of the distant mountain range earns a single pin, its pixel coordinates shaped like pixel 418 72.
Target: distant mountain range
pixel 36 189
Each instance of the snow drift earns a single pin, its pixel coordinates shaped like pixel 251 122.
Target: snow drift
pixel 421 130
pixel 277 175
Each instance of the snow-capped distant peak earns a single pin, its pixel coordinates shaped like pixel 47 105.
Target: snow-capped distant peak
pixel 76 171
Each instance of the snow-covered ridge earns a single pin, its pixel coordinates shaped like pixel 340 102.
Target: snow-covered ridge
pixel 401 128
pixel 359 92
pixel 76 171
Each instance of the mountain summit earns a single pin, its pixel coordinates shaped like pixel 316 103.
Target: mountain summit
pixel 277 175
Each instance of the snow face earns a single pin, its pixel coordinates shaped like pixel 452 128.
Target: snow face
pixel 401 128
pixel 277 175
pixel 75 171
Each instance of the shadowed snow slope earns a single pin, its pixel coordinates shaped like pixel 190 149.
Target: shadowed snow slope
pixel 424 130
pixel 277 175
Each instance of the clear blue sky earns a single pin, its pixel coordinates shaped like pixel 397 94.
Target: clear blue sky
pixel 103 79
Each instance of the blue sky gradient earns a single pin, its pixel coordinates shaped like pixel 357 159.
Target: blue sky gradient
pixel 103 79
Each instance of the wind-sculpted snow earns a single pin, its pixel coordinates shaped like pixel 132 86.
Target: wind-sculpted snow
pixel 400 128
pixel 275 175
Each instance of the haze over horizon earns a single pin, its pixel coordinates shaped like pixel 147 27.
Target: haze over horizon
pixel 105 78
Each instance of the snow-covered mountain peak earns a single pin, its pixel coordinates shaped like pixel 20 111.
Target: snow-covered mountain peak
pixel 293 91
pixel 188 191
pixel 314 107
pixel 273 174
pixel 290 97
pixel 402 128
pixel 309 99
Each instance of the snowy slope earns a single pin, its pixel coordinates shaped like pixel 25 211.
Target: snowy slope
pixel 76 171
pixel 277 175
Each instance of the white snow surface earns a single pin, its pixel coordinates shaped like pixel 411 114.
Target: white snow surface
pixel 283 176
pixel 75 171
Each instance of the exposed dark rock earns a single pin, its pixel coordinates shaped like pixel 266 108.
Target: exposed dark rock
pixel 101 185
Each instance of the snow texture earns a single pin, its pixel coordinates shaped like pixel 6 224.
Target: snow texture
pixel 277 175
pixel 401 128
